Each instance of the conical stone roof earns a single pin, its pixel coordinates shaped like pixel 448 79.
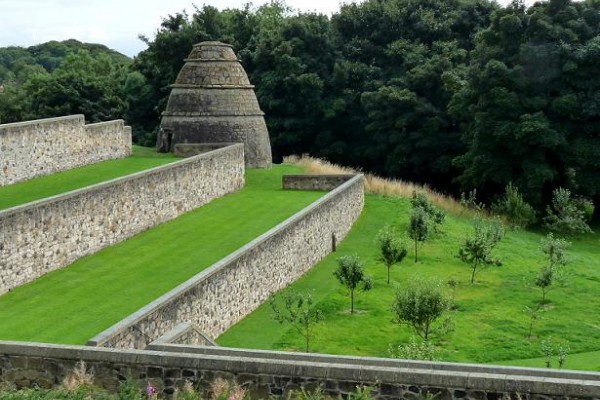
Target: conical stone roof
pixel 212 101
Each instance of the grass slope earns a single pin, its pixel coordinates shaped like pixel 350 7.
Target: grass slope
pixel 490 322
pixel 74 304
pixel 50 185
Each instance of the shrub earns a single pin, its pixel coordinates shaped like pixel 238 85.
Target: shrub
pixel 414 350
pixel 514 208
pixel 419 305
pixel 568 215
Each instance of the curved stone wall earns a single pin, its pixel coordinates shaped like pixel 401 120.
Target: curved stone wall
pixel 223 294
pixel 212 101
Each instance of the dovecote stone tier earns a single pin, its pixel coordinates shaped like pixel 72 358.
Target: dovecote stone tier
pixel 212 101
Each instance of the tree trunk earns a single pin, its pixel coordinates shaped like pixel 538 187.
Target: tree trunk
pixel 473 273
pixel 388 275
pixel 351 301
pixel 416 254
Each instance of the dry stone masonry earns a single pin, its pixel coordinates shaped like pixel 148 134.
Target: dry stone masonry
pixel 274 374
pixel 42 236
pixel 217 298
pixel 45 146
pixel 212 101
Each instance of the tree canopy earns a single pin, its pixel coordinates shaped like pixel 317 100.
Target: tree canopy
pixel 456 94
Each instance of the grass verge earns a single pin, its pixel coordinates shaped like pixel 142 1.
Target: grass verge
pixel 50 185
pixel 74 304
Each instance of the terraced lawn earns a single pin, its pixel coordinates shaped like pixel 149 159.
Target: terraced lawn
pixel 490 324
pixel 142 158
pixel 74 304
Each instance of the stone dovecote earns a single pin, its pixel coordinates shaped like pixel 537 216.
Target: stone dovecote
pixel 212 101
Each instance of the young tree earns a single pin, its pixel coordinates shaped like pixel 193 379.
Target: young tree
pixel 418 228
pixel 351 273
pixel 555 250
pixel 435 216
pixel 297 309
pixel 391 248
pixel 476 250
pixel 514 208
pixel 568 215
pixel 419 304
pixel 544 280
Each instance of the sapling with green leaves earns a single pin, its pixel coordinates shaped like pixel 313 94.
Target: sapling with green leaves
pixel 453 284
pixel 544 280
pixel 418 228
pixel 567 214
pixel 392 249
pixel 476 250
pixel 555 251
pixel 297 309
pixel 435 215
pixel 419 304
pixel 351 273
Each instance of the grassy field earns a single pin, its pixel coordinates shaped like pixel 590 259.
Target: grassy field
pixel 490 322
pixel 74 304
pixel 45 186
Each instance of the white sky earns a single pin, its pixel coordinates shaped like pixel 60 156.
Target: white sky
pixel 114 23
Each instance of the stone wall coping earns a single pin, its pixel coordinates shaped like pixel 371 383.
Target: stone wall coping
pixel 201 117
pixel 211 60
pixel 211 43
pixel 315 369
pixel 166 346
pixel 211 86
pixel 180 330
pixel 88 189
pixel 317 175
pixel 113 122
pixel 188 285
pixel 80 117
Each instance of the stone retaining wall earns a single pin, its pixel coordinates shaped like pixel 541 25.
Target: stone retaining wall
pixel 223 294
pixel 45 146
pixel 273 375
pixel 313 182
pixel 42 236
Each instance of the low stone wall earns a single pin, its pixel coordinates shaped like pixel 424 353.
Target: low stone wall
pixel 274 374
pixel 42 236
pixel 193 149
pixel 223 294
pixel 184 333
pixel 313 182
pixel 45 146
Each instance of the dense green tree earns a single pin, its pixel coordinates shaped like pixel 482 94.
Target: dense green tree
pixel 81 85
pixel 528 108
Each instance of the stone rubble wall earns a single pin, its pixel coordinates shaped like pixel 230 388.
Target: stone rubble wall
pixel 45 146
pixel 273 375
pixel 313 182
pixel 220 296
pixel 45 235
